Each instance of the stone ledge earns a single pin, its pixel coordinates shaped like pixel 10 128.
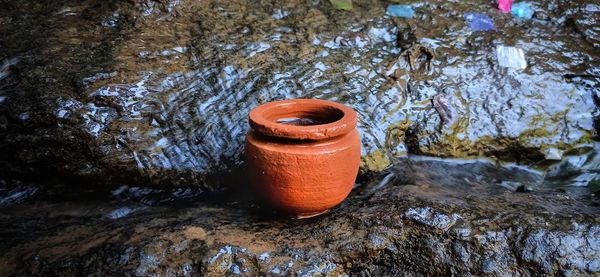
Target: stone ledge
pixel 445 219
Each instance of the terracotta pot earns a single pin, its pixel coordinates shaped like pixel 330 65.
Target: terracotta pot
pixel 303 154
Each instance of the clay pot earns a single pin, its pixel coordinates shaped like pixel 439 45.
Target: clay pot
pixel 303 154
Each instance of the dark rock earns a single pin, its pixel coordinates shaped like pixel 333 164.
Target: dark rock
pixel 523 188
pixel 451 220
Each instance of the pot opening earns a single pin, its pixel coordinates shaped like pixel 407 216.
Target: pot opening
pixel 303 119
pixel 308 117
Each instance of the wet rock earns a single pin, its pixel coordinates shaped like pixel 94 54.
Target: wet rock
pixel 231 261
pixel 145 92
pixel 120 212
pixel 10 195
pixel 431 218
pixel 418 53
pixel 407 37
pixel 451 219
pixel 523 188
pixel 564 250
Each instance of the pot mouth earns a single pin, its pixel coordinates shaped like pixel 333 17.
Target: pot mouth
pixel 312 119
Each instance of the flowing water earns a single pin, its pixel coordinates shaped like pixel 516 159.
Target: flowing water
pixel 122 126
pixel 157 93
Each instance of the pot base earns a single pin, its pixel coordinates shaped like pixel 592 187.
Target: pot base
pixel 309 215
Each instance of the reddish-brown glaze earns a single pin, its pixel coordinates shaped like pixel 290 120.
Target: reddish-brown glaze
pixel 308 166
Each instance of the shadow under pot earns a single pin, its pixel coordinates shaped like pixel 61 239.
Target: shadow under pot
pixel 303 154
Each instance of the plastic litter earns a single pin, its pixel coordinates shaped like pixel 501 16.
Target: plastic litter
pixel 401 11
pixel 522 10
pixel 504 5
pixel 479 22
pixel 512 57
pixel 344 5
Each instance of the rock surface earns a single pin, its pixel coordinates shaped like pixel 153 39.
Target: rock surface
pixel 420 218
pixel 121 122
pixel 157 92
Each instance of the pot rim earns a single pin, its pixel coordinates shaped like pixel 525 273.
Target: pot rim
pixel 269 127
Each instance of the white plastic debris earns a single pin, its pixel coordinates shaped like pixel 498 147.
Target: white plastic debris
pixel 512 57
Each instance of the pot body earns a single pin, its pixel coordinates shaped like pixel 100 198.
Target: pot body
pixel 303 177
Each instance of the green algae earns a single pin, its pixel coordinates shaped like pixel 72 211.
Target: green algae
pixel 375 161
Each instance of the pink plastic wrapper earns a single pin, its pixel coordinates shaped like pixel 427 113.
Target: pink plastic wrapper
pixel 504 5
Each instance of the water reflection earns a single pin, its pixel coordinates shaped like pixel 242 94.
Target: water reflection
pixel 180 91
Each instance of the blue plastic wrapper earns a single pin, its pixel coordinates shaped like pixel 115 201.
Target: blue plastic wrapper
pixel 522 10
pixel 400 11
pixel 479 22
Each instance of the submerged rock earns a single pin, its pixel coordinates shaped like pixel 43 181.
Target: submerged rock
pixel 139 94
pixel 157 92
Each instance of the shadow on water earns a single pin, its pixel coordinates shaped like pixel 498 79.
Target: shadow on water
pixel 453 177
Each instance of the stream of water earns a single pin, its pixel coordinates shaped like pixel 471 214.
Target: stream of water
pixel 164 90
